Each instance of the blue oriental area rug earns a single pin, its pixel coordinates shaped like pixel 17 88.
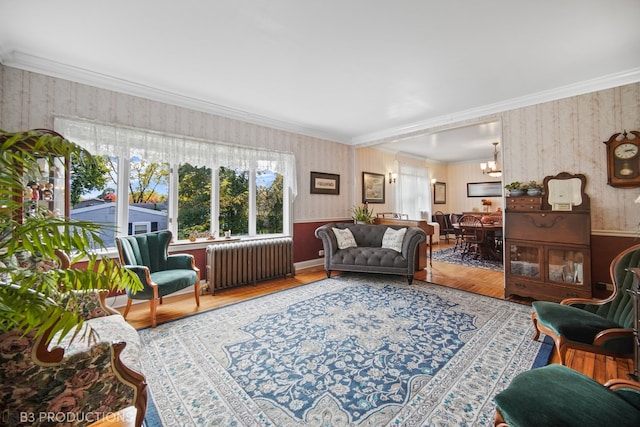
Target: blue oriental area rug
pixel 449 256
pixel 354 350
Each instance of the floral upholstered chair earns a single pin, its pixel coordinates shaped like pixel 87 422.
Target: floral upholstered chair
pixel 74 380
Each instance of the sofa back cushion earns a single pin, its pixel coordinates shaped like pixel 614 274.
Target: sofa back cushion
pixel 345 238
pixel 367 235
pixel 392 238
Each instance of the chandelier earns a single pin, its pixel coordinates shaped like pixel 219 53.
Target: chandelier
pixel 491 168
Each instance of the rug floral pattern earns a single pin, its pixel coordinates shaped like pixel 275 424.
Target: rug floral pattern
pixel 360 352
pixel 355 350
pixel 450 256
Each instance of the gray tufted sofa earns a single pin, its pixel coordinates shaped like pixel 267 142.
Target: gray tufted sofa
pixel 369 256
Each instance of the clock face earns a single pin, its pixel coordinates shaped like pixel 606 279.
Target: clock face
pixel 625 151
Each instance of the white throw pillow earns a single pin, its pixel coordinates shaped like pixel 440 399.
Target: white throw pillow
pixel 393 239
pixel 345 238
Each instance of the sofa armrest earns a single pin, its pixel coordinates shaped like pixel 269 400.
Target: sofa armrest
pixel 413 237
pixel 329 242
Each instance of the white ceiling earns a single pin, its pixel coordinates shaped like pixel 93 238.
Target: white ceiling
pixel 353 71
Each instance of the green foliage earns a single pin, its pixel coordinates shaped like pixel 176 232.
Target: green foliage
pixel 234 201
pixel 87 173
pixel 30 291
pixel 194 200
pixel 532 184
pixel 515 185
pixel 144 178
pixel 270 207
pixel 362 214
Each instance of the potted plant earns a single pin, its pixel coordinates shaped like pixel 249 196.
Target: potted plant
pixel 515 189
pixel 533 188
pixel 362 214
pixel 34 287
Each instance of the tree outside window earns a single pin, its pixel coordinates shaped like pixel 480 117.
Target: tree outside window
pixel 194 200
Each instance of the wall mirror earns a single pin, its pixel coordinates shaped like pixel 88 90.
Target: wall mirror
pixel 565 192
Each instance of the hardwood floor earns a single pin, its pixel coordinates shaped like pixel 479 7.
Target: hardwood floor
pixel 484 282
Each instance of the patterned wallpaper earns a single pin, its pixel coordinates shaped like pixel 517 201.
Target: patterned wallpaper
pixel 544 139
pixel 30 100
pixel 567 136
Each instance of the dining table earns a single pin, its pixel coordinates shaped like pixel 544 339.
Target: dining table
pixel 492 242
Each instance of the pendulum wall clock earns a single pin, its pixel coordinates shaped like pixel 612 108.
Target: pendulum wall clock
pixel 623 160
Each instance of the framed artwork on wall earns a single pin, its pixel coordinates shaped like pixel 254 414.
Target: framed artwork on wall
pixel 325 183
pixel 484 189
pixel 439 193
pixel 372 187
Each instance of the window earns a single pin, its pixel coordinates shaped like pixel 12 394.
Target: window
pixel 413 192
pixel 194 200
pixel 205 187
pixel 93 194
pixel 234 201
pixel 269 202
pixel 140 227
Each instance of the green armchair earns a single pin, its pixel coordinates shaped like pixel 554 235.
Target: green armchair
pixel 596 326
pixel 160 273
pixel 559 396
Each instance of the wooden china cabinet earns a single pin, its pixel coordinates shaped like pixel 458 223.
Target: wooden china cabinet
pixel 548 245
pixel 48 190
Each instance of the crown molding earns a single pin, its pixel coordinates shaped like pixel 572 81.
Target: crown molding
pixel 46 66
pixel 574 89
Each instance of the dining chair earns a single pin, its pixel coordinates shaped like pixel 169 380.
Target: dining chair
pixel 445 226
pixel 472 232
pixel 454 219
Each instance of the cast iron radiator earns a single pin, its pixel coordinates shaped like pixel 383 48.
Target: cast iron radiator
pixel 239 263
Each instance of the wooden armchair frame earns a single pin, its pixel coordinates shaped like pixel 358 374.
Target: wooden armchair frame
pixel 598 345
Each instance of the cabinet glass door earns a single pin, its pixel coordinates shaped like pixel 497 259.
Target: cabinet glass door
pixel 566 265
pixel 524 260
pixel 45 191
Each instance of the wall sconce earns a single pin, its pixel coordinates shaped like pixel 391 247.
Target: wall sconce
pixel 433 180
pixel 392 178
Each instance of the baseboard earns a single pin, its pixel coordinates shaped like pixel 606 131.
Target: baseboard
pixel 118 301
pixel 308 264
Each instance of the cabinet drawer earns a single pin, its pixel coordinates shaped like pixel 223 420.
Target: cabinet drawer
pixel 544 292
pixel 551 227
pixel 525 203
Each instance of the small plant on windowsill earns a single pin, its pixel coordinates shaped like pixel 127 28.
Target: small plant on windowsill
pixel 362 214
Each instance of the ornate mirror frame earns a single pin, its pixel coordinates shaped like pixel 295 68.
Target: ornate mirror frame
pixel 565 191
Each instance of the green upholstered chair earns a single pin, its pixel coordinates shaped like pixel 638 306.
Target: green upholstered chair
pixel 596 326
pixel 161 274
pixel 559 396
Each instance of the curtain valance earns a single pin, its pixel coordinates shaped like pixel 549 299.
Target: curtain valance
pixel 121 141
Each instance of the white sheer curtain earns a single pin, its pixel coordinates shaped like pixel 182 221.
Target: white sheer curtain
pixel 122 141
pixel 413 191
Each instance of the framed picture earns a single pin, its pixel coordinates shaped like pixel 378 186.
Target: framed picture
pixel 439 193
pixel 484 189
pixel 325 183
pixel 372 187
